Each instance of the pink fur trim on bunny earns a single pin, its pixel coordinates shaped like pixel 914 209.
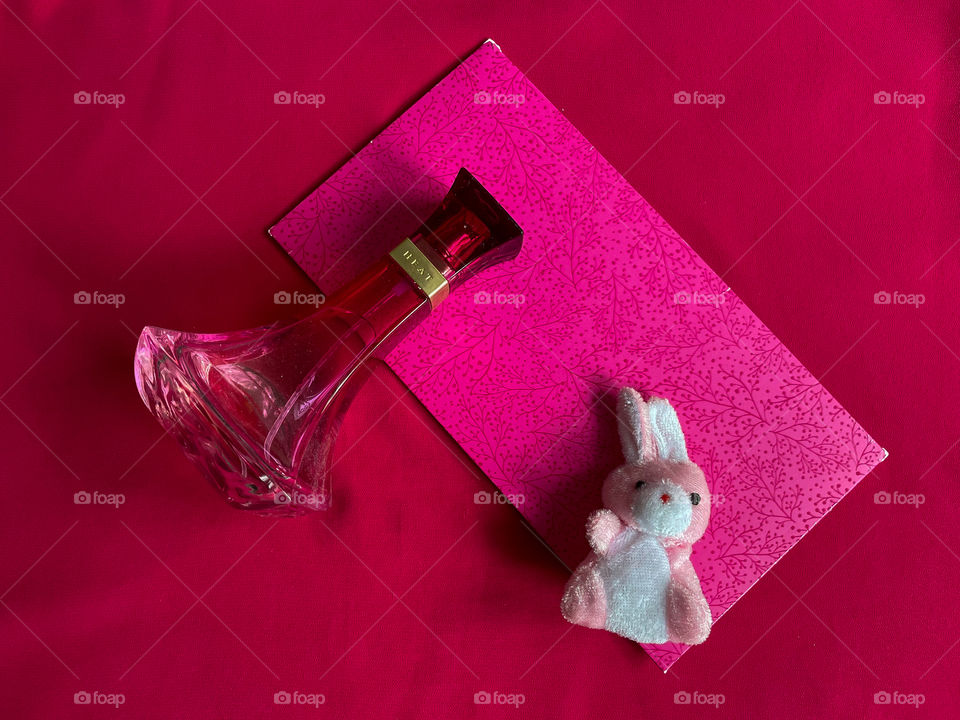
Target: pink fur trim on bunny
pixel 638 580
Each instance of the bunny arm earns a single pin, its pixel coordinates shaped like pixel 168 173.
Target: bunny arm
pixel 602 527
pixel 688 613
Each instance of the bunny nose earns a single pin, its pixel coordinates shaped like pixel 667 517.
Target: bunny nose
pixel 665 498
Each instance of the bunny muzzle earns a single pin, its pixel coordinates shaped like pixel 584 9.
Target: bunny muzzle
pixel 662 508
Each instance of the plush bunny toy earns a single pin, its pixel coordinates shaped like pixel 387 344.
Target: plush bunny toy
pixel 638 581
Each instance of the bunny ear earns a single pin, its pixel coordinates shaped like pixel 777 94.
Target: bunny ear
pixel 636 434
pixel 666 430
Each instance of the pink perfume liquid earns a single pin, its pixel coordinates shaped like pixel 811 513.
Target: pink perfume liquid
pixel 258 410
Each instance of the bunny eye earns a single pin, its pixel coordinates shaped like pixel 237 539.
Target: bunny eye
pixel 639 484
pixel 694 499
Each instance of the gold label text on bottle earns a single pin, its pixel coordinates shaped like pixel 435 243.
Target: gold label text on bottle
pixel 422 271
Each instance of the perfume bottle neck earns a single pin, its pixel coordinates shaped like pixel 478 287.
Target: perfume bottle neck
pixel 385 302
pixel 398 291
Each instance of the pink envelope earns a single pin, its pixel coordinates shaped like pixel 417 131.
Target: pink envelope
pixel 522 364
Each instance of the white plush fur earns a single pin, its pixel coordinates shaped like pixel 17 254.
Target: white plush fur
pixel 635 578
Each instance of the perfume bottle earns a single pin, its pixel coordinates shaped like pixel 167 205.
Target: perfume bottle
pixel 258 410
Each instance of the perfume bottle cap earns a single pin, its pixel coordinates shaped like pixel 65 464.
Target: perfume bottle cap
pixel 469 232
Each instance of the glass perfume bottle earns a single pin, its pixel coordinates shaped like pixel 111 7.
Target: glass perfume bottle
pixel 258 410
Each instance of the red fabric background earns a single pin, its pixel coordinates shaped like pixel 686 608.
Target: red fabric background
pixel 408 598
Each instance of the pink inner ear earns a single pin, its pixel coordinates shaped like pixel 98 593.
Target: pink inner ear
pixel 648 442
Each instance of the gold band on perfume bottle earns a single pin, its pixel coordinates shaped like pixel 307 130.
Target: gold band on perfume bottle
pixel 422 270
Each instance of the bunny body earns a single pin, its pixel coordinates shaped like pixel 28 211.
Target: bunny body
pixel 638 580
pixel 635 579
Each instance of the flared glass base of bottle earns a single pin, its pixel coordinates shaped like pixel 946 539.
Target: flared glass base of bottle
pixel 207 393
